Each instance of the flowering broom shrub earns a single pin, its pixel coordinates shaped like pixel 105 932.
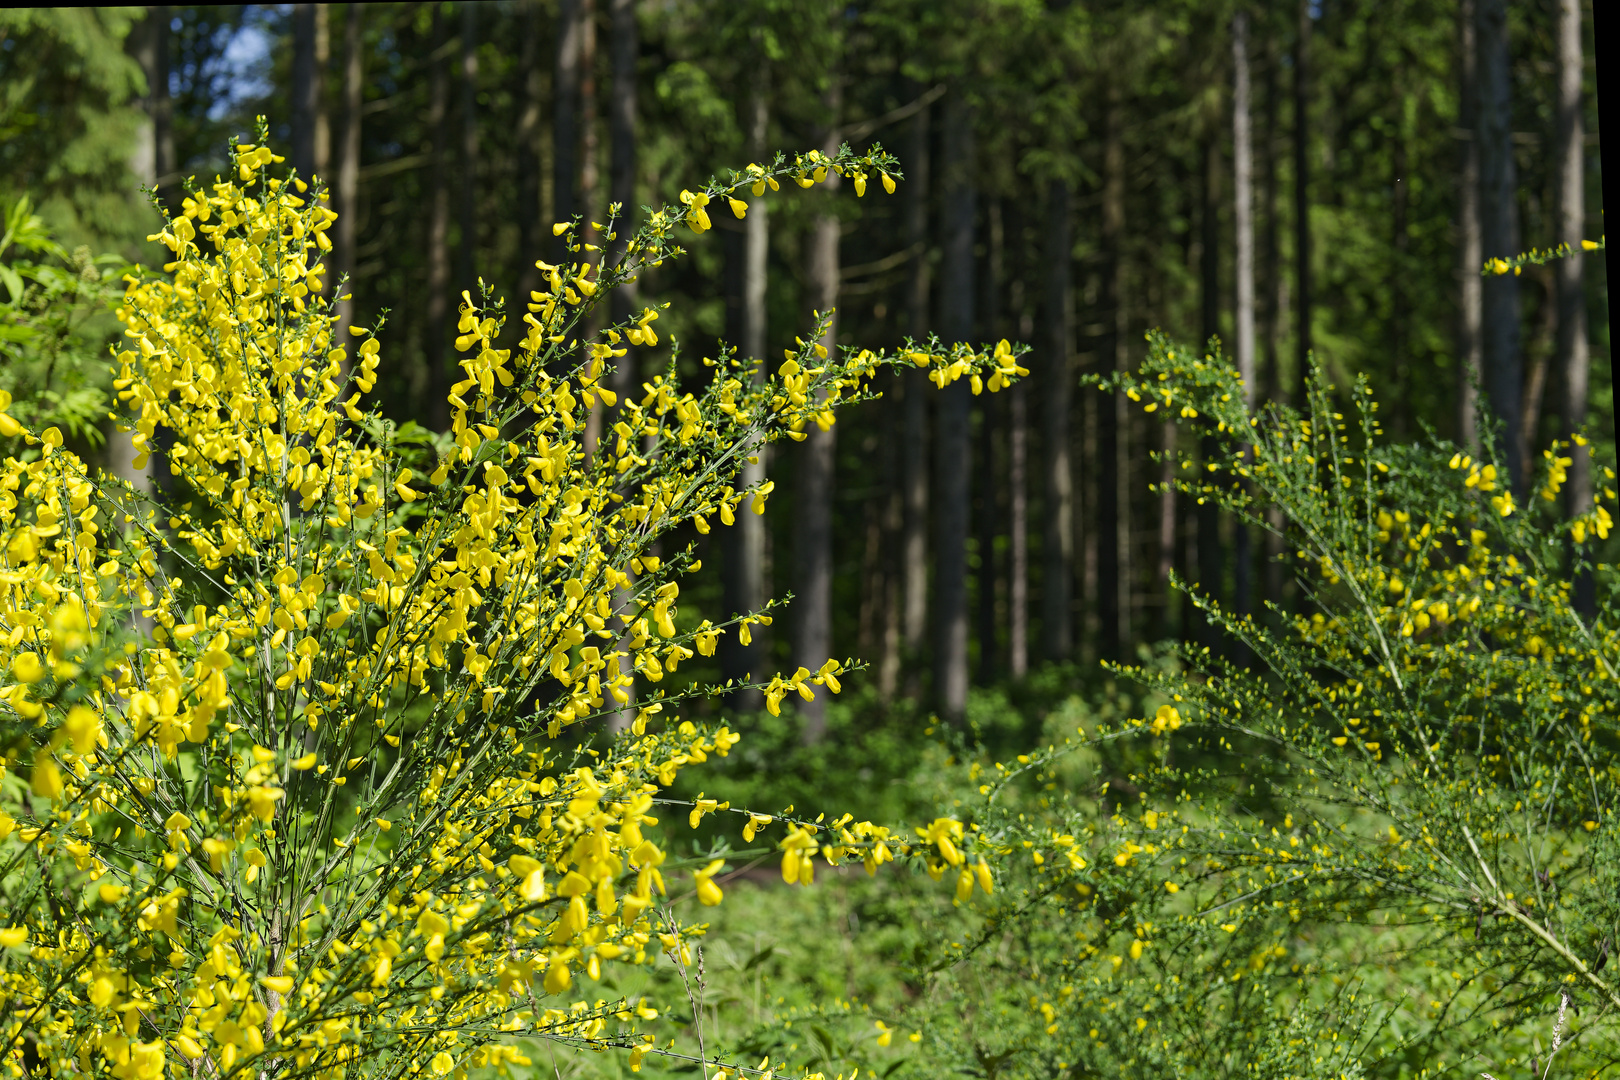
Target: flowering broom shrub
pixel 1386 845
pixel 299 768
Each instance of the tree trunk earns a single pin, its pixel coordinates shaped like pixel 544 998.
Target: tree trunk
pixel 436 305
pixel 1018 531
pixel 587 123
pixel 526 147
pixel 588 205
pixel 309 131
pixel 154 163
pixel 622 182
pixel 1211 559
pixel 151 160
pixel 1270 271
pixel 953 458
pixel 915 394
pixel 626 51
pixel 467 245
pixel 1271 388
pixel 1302 203
pixel 812 644
pixel 1057 545
pixel 988 510
pixel 1572 345
pixel 1243 205
pixel 1243 225
pixel 1167 526
pixel 565 125
pixel 743 544
pixel 1470 248
pixel 347 187
pixel 1113 530
pixel 1499 234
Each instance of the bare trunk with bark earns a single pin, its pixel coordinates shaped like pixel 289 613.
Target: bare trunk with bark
pixel 914 396
pixel 151 161
pixel 1275 304
pixel 989 492
pixel 1167 527
pixel 1112 516
pixel 1018 531
pixel 626 50
pixel 435 322
pixel 813 538
pixel 526 143
pixel 1573 358
pixel 1470 248
pixel 743 544
pixel 1499 235
pixel 1243 226
pixel 1057 544
pixel 622 182
pixel 346 186
pixel 309 130
pixel 1302 202
pixel 1211 562
pixel 953 458
pixel 467 246
pixel 588 198
pixel 565 122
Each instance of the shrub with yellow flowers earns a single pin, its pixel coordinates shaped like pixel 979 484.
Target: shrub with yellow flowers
pixel 1375 833
pixel 303 767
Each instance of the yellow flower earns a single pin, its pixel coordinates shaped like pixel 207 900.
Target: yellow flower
pixel 708 892
pixel 27 668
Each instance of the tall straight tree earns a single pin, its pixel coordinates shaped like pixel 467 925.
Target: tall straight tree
pixel 813 537
pixel 436 305
pixel 626 49
pixel 565 123
pixel 743 544
pixel 915 393
pixel 346 185
pixel 1302 199
pixel 1499 234
pixel 467 246
pixel 1470 248
pixel 952 454
pixel 989 513
pixel 1211 557
pixel 1276 285
pixel 154 164
pixel 152 160
pixel 1018 531
pixel 588 139
pixel 309 127
pixel 1243 270
pixel 1057 544
pixel 588 179
pixel 1572 346
pixel 1112 515
pixel 526 139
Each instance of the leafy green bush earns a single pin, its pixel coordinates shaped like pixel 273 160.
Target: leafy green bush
pixel 55 324
pixel 1388 844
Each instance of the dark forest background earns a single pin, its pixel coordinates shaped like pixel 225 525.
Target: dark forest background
pixel 1318 177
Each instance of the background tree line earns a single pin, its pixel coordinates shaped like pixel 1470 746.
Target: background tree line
pixel 1320 176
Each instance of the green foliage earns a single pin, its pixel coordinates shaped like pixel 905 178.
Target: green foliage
pixel 70 121
pixel 55 325
pixel 1389 840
